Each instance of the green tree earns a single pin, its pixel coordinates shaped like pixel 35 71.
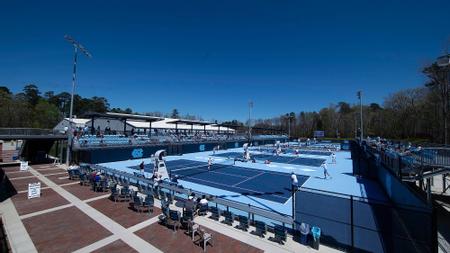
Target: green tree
pixel 32 93
pixel 46 115
pixel 175 114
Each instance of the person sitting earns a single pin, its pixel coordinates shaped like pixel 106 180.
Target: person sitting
pixel 203 201
pixel 202 206
pixel 267 162
pixel 189 204
pixel 98 177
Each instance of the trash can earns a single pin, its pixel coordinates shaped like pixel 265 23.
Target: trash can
pixel 316 235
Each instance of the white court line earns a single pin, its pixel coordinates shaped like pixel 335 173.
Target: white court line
pixel 250 178
pixel 257 192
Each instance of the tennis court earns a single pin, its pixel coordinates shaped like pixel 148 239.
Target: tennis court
pixel 292 151
pixel 314 162
pixel 269 185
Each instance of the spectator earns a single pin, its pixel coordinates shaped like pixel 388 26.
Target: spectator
pixel 203 201
pixel 189 204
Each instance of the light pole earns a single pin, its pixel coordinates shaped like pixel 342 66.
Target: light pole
pixel 444 62
pixel 359 94
pixel 289 118
pixel 76 46
pixel 250 107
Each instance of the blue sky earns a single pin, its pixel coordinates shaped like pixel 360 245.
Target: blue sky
pixel 210 58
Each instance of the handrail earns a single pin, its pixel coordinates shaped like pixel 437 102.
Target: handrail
pixel 26 131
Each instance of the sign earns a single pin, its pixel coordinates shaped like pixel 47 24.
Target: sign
pixel 23 165
pixel 236 145
pixel 34 190
pixel 202 147
pixel 137 153
pixel 319 134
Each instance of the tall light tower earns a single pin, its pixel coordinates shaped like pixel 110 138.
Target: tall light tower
pixel 359 94
pixel 250 107
pixel 76 46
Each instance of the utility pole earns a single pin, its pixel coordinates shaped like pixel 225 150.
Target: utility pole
pixel 76 46
pixel 359 94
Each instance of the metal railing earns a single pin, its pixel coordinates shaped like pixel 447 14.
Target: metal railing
pixel 172 187
pixel 383 225
pixel 26 131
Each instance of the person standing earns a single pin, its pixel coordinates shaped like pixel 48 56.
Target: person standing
pixel 142 167
pixel 209 163
pixel 294 180
pixel 333 158
pixel 325 170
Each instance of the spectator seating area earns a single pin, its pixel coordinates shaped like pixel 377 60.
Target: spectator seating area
pixel 87 140
pixel 143 200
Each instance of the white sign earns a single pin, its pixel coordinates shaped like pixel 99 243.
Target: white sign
pixel 23 165
pixel 34 190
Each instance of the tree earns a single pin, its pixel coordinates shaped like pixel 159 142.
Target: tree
pixel 175 114
pixel 437 81
pixel 46 115
pixel 31 92
pixel 5 90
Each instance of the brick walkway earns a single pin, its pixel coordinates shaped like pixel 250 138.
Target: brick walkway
pixel 69 217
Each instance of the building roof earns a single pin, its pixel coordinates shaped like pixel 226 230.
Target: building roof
pixel 190 122
pixel 122 116
pixel 78 121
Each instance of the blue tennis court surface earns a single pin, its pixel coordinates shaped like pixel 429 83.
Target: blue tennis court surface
pixel 269 185
pixel 292 151
pixel 275 180
pixel 315 162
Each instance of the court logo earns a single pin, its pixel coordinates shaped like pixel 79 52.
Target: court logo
pixel 137 153
pixel 201 147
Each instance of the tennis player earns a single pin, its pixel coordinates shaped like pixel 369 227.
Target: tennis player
pixel 333 158
pixel 325 170
pixel 209 163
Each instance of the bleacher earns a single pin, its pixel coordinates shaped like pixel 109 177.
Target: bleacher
pixel 88 140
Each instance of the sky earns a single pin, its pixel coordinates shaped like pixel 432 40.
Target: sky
pixel 209 58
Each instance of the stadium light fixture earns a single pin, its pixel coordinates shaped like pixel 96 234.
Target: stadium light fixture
pixel 76 46
pixel 443 61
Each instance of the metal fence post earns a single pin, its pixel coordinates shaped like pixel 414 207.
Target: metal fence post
pixel 351 223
